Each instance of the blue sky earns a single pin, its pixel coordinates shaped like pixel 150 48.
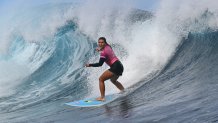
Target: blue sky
pixel 147 4
pixel 141 4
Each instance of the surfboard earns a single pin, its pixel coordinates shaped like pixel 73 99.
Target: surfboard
pixel 91 102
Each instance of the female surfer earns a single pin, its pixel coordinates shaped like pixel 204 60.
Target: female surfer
pixel 116 68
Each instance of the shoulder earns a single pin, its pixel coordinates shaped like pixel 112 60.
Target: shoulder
pixel 107 48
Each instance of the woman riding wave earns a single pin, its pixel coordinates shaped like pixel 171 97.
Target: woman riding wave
pixel 116 68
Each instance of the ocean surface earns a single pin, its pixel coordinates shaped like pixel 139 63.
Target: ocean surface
pixel 170 59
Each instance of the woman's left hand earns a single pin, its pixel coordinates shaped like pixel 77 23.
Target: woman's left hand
pixel 87 65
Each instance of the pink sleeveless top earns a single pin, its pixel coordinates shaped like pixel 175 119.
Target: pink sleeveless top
pixel 109 55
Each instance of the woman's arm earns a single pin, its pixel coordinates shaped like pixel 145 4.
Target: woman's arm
pixel 100 63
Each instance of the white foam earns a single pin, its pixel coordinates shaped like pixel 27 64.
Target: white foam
pixel 148 46
pixel 11 75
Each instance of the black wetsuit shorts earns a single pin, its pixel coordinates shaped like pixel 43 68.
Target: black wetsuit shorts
pixel 117 68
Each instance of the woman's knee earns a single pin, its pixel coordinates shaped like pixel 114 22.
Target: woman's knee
pixel 101 79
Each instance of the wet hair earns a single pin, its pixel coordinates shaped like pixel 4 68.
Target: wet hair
pixel 104 39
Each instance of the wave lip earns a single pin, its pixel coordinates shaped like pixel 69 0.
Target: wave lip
pixel 54 66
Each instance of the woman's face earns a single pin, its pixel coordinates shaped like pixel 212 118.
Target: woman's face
pixel 101 43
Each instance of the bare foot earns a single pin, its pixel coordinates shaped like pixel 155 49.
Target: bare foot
pixel 100 99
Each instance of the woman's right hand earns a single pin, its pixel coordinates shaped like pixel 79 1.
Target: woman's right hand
pixel 98 49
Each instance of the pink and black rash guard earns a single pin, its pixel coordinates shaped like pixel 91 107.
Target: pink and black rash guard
pixel 107 55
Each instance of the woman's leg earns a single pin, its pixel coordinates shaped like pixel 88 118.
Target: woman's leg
pixel 105 76
pixel 116 83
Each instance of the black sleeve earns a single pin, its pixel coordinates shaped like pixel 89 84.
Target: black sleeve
pixel 100 63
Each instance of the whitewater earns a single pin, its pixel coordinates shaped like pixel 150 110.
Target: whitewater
pixel 169 56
